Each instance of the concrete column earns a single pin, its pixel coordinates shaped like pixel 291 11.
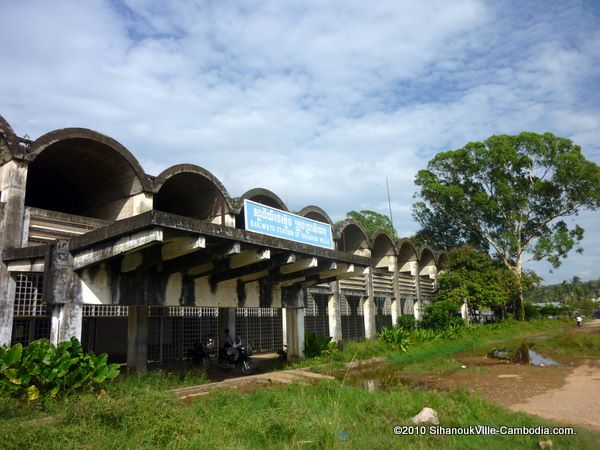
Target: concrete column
pixel 419 301
pixel 294 332
pixel 13 179
pixel 335 313
pixel 292 301
pixel 66 322
pixel 137 338
pixel 63 292
pixel 227 321
pixel 369 307
pixel 396 303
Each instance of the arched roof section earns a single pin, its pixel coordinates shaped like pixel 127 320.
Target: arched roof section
pixel 264 197
pixel 406 250
pixel 382 246
pixel 192 191
pixel 315 213
pixel 259 195
pixel 83 172
pixel 427 261
pixel 9 142
pixel 351 236
pixel 442 259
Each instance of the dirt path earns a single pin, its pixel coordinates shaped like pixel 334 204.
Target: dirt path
pixel 576 402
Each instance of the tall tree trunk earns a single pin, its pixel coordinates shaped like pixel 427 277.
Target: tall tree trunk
pixel 521 301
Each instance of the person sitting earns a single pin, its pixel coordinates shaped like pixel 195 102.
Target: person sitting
pixel 227 343
pixel 235 347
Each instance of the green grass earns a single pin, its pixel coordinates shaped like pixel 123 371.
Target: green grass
pixel 327 415
pixel 572 342
pixel 139 412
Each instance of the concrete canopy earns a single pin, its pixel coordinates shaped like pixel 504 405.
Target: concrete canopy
pixel 190 190
pixel 427 261
pixel 383 251
pixel 79 171
pixel 210 265
pixel 352 237
pixel 315 213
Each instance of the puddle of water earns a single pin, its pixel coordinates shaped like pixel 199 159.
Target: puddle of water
pixel 538 360
pixel 524 355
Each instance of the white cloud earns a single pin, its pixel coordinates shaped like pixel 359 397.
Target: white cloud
pixel 317 101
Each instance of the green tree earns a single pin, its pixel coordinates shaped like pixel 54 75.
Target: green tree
pixel 373 221
pixel 511 192
pixel 474 276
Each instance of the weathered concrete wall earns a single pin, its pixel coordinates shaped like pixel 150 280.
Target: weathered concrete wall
pixel 64 292
pixel 13 178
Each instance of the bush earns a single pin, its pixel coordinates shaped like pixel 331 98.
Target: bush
pixel 407 322
pixel 315 344
pixel 42 370
pixel 531 312
pixel 396 337
pixel 441 315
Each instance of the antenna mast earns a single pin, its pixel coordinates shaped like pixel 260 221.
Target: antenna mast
pixel 389 201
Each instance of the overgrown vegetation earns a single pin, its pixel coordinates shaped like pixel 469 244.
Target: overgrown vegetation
pixel 137 412
pixel 317 344
pixel 42 370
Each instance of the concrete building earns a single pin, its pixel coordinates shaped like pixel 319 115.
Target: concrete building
pixel 141 266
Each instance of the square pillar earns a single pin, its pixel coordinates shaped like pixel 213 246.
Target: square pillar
pixel 369 309
pixel 294 332
pixel 63 292
pixel 227 321
pixel 335 313
pixel 396 303
pixel 293 299
pixel 13 178
pixel 66 322
pixel 137 338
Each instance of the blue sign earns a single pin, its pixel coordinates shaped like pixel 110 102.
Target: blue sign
pixel 274 222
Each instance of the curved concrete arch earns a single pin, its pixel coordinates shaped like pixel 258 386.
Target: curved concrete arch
pixel 263 196
pixel 442 259
pixel 192 191
pixel 80 171
pixel 55 137
pixel 382 244
pixel 351 236
pixel 315 213
pixel 426 255
pixel 406 250
pixel 383 250
pixel 9 142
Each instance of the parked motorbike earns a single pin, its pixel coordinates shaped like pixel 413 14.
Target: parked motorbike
pixel 198 355
pixel 229 362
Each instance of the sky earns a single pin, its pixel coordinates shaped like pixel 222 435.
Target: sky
pixel 318 101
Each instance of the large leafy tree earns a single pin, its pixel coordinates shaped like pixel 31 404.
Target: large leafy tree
pixel 373 221
pixel 512 193
pixel 473 276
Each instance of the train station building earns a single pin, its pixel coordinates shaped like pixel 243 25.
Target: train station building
pixel 142 266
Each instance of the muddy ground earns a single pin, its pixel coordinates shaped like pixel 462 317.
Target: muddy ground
pixel 568 393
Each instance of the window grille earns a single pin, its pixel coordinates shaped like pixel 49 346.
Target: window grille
pixel 29 295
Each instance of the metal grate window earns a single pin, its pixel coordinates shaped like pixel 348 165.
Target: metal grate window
pixel 173 330
pixel 316 314
pixel 353 324
pixel 27 330
pixel 29 295
pixel 260 329
pixel 105 311
pixel 383 313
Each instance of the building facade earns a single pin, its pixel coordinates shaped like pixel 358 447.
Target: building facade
pixel 141 266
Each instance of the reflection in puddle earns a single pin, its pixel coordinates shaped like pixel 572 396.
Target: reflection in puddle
pixel 524 355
